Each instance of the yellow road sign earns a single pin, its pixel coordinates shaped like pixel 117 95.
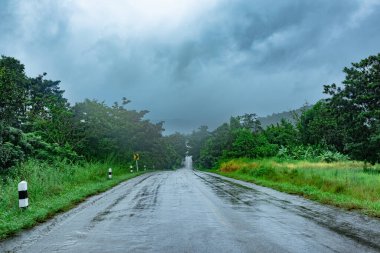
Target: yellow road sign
pixel 136 157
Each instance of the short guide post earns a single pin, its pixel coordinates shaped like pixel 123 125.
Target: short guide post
pixel 23 201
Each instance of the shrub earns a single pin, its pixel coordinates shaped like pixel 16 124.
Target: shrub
pixel 42 150
pixel 13 147
pixel 329 156
pixel 10 155
pixel 310 153
pixel 17 146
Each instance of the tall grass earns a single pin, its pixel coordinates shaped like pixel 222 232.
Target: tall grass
pixel 346 184
pixel 51 189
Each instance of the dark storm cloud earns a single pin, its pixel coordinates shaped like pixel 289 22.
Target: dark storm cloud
pixel 269 35
pixel 229 58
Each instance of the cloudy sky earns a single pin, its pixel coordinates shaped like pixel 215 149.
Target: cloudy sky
pixel 191 62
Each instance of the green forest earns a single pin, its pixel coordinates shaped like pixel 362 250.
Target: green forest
pixel 37 122
pixel 344 126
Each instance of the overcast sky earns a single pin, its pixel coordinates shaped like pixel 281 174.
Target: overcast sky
pixel 191 62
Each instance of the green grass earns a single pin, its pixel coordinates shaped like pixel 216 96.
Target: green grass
pixel 343 184
pixel 52 189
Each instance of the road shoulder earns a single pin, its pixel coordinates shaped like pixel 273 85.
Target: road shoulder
pixel 352 224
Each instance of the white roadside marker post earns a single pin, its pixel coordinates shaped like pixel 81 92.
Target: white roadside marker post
pixel 144 167
pixel 23 201
pixel 109 173
pixel 131 167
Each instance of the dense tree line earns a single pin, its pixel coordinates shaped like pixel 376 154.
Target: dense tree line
pixel 345 125
pixel 37 122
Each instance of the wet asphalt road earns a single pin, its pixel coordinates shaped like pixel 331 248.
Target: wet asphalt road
pixel 191 211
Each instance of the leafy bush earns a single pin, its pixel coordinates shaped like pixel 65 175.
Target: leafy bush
pixel 13 147
pixel 310 153
pixel 329 156
pixel 10 155
pixel 264 148
pixel 250 145
pixel 45 151
pixel 17 146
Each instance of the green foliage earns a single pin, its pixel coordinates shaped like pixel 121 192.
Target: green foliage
pixel 344 126
pixel 263 148
pixel 298 152
pixel 250 122
pixel 242 137
pixel 243 145
pixel 343 184
pixel 215 146
pixel 319 126
pixel 263 172
pixel 53 187
pixel 13 91
pixel 177 144
pixel 43 150
pixel 330 156
pixel 250 145
pixel 38 122
pixel 282 134
pixel 102 131
pixel 356 108
pixel 196 141
pixel 311 153
pixel 13 147
pixel 16 146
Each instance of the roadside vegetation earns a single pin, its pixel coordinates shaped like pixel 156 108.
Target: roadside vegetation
pixel 328 152
pixel 346 184
pixel 64 151
pixel 53 188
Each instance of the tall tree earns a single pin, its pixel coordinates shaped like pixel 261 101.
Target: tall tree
pixel 47 111
pixel 250 121
pixel 356 105
pixel 282 134
pixel 13 84
pixel 319 126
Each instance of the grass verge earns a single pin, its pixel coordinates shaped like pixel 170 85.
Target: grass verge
pixel 342 184
pixel 52 189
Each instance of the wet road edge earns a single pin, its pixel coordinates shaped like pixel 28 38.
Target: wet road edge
pixel 352 224
pixel 50 222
